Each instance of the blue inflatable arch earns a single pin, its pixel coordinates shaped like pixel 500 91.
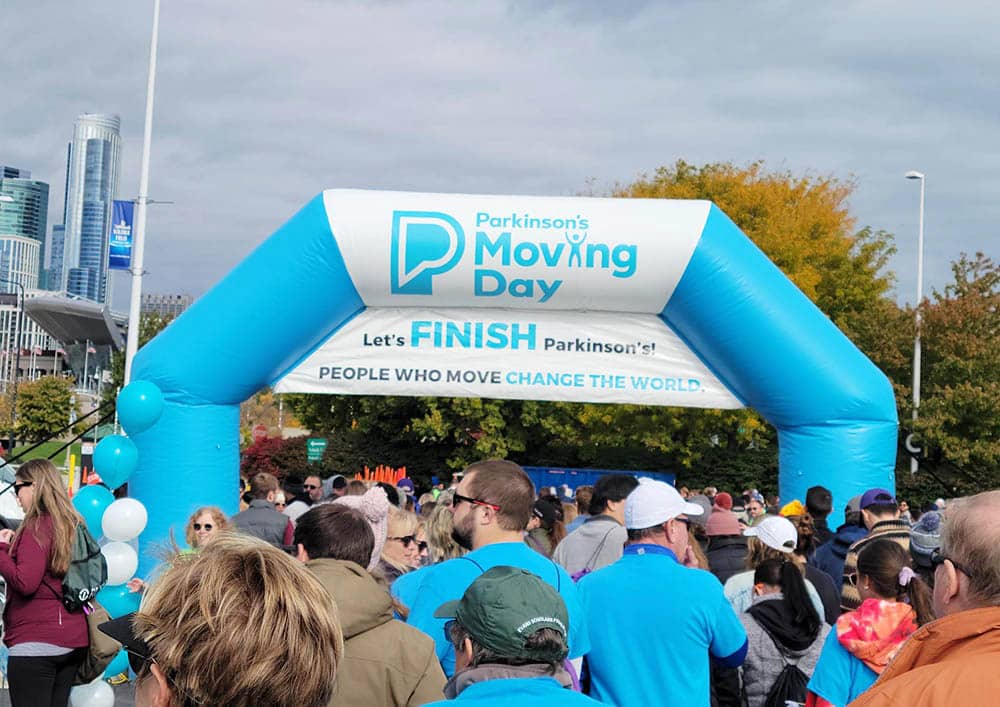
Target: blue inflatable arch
pixel 833 409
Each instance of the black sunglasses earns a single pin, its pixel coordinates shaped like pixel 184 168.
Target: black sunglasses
pixel 206 526
pixel 309 487
pixel 938 558
pixel 407 540
pixel 22 484
pixel 459 498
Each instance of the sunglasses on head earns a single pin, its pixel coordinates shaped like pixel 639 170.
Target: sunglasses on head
pixel 206 526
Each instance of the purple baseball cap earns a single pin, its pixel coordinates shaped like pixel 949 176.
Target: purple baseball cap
pixel 873 496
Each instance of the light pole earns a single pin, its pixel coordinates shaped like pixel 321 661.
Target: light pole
pixel 914 464
pixel 138 243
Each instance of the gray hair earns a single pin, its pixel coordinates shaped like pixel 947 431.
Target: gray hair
pixel 971 536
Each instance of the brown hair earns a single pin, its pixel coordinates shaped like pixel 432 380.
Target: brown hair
pixel 51 500
pixel 262 484
pixel 208 611
pixel 505 484
pixel 806 530
pixel 583 495
pixel 880 563
pixel 757 552
pixel 337 531
pixel 970 535
pixel 218 517
pixel 356 487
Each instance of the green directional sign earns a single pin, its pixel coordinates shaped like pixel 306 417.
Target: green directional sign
pixel 315 449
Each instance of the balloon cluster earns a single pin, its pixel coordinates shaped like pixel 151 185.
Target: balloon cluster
pixel 117 523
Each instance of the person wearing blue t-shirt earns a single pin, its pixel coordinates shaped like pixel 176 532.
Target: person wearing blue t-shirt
pixel 653 619
pixel 509 632
pixel 491 509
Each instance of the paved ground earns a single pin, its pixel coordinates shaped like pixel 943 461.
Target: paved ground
pixel 123 696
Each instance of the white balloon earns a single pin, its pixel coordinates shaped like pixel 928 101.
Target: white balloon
pixel 124 519
pixel 122 562
pixel 94 694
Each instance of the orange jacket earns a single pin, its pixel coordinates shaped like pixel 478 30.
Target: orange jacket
pixel 951 661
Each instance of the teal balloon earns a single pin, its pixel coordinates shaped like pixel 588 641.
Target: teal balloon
pixel 140 405
pixel 115 458
pixel 117 666
pixel 118 600
pixel 91 502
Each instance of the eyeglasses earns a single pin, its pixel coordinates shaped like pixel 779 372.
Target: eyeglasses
pixel 206 526
pixel 685 521
pixel 938 558
pixel 310 487
pixel 22 484
pixel 459 498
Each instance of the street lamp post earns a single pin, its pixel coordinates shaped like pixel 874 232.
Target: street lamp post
pixel 17 361
pixel 914 464
pixel 139 234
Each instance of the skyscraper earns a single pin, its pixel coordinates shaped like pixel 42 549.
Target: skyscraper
pixel 91 185
pixel 23 217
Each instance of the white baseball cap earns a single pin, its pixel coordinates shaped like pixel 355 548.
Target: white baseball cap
pixel 777 532
pixel 653 502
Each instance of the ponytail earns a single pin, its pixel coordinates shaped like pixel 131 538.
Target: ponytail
pixel 886 565
pixel 786 574
pixel 917 594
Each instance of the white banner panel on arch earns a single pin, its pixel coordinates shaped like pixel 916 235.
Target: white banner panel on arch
pixel 405 249
pixel 569 356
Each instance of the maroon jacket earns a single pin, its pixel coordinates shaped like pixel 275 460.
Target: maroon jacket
pixel 35 611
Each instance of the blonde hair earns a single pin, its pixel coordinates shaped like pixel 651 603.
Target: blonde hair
pixel 400 523
pixel 218 517
pixel 440 545
pixel 52 500
pixel 221 623
pixel 757 552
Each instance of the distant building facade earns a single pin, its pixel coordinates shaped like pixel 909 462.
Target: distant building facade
pixel 91 184
pixel 23 214
pixel 165 305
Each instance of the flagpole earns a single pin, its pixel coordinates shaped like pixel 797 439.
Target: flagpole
pixel 86 363
pixel 139 228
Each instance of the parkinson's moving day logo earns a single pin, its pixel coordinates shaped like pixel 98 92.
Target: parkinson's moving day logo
pixel 506 249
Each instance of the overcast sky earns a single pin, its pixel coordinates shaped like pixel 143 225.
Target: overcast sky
pixel 261 105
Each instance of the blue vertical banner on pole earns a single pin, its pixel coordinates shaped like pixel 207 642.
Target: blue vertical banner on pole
pixel 120 242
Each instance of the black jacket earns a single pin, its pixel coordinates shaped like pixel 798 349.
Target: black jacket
pixel 727 555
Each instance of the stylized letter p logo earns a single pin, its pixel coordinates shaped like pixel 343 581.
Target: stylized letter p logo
pixel 424 243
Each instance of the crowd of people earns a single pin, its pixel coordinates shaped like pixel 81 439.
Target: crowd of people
pixel 490 591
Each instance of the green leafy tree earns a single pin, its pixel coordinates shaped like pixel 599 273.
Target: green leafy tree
pixel 43 407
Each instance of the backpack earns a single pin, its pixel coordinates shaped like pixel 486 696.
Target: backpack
pixel 88 571
pixel 789 686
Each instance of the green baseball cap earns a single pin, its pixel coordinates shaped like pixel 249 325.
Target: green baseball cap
pixel 506 605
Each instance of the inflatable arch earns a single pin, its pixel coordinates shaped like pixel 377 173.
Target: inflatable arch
pixel 648 301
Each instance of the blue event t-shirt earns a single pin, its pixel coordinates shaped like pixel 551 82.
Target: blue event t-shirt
pixel 450 579
pixel 653 623
pixel 839 677
pixel 407 585
pixel 523 692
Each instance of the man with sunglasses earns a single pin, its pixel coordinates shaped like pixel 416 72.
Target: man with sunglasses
pixel 312 493
pixel 490 511
pixel 655 619
pixel 953 661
